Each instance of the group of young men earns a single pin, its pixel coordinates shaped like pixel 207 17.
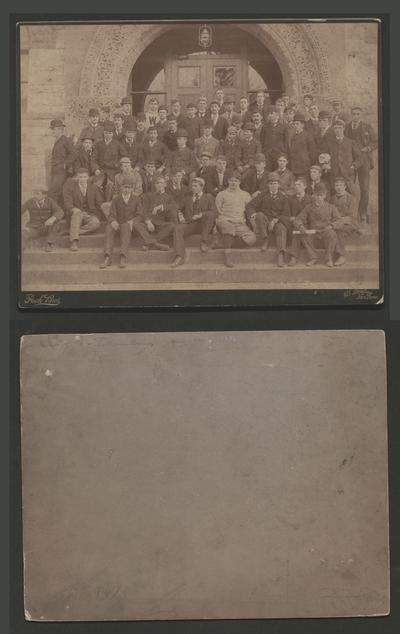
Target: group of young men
pixel 222 170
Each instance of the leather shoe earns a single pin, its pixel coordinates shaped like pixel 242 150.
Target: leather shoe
pixel 161 247
pixel 340 261
pixel 74 245
pixel 228 260
pixel 204 247
pixel 106 262
pixel 177 262
pixel 292 261
pixel 122 262
pixel 329 262
pixel 311 262
pixel 281 259
pixel 49 248
pixel 264 246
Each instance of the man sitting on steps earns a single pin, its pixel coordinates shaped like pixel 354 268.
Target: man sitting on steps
pixel 157 218
pixel 82 202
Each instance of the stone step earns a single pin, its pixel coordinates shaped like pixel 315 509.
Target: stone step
pixel 211 274
pixel 355 253
pixel 96 240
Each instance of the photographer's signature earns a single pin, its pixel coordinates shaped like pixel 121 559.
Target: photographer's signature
pixel 41 300
pixel 361 295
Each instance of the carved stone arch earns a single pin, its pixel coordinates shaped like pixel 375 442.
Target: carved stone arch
pixel 115 49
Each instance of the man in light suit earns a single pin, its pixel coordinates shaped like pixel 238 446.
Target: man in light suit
pixel 82 203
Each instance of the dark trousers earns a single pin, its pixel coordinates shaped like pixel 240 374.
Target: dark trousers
pixel 363 181
pixel 37 231
pixel 328 238
pixel 57 180
pixel 279 230
pixel 125 233
pixel 161 232
pixel 203 226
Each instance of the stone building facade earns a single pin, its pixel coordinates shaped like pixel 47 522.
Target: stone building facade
pixel 66 69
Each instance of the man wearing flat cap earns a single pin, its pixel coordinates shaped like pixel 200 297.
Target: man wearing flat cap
pixel 109 152
pixel 268 213
pixel 318 222
pixel 183 158
pixel 206 142
pixel 63 157
pixel 302 149
pixel 41 216
pixel 124 207
pixel 199 216
pixel 364 135
pixel 93 128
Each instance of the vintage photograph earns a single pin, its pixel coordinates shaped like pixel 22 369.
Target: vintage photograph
pixel 200 155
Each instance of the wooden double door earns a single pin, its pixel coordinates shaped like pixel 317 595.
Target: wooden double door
pixel 202 74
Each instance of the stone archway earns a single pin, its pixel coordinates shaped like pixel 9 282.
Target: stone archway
pixel 115 49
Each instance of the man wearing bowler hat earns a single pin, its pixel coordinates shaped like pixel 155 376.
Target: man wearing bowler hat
pixel 109 152
pixel 87 155
pixel 63 157
pixel 94 128
pixel 199 216
pixel 363 134
pixel 269 213
pixel 302 149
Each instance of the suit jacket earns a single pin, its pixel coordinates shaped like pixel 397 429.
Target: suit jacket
pixel 178 195
pixel 212 185
pixel 122 211
pixel 277 207
pixel 167 214
pixel 220 128
pixel 157 153
pixel 109 155
pixel 286 182
pixel 210 145
pixel 194 128
pixel 132 150
pixel 365 138
pixel 63 155
pixel 73 198
pixel 182 159
pixel 346 205
pixel 170 140
pixel 39 214
pixel 318 218
pixel 137 183
pixel 86 160
pixel 251 183
pixel 231 151
pixel 147 182
pixel 205 203
pixel 296 204
pixel 97 132
pixel 162 129
pixel 273 141
pixel 248 151
pixel 302 153
pixel 344 154
pixel 322 139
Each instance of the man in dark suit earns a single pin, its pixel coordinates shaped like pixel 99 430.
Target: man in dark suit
pixel 63 157
pixel 248 149
pixel 94 128
pixel 124 207
pixel 230 148
pixel 346 155
pixel 324 132
pixel 302 149
pixel 192 124
pixel 152 149
pixel 363 134
pixel 41 217
pixel 199 217
pixel 109 152
pixel 126 108
pixel 148 176
pixel 219 123
pixel 269 213
pixel 217 178
pixel 273 138
pixel 82 203
pixel 129 144
pixel 171 135
pixel 177 189
pixel 256 178
pixel 87 156
pixel 205 166
pixel 202 110
pixel 158 216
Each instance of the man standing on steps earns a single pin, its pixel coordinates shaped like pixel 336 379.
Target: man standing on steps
pixel 231 220
pixel 124 207
pixel 269 213
pixel 82 202
pixel 199 217
pixel 365 137
pixel 157 218
pixel 346 156
pixel 63 157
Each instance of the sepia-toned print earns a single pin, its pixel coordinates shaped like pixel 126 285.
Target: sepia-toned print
pixel 220 155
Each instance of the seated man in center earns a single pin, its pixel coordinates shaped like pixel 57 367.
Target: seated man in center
pixel 199 217
pixel 269 213
pixel 177 189
pixel 158 216
pixel 231 220
pixel 256 179
pixel 82 203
